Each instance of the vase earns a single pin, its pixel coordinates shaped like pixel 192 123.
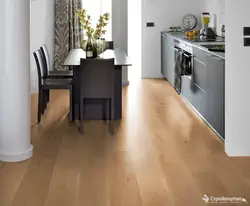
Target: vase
pixel 99 46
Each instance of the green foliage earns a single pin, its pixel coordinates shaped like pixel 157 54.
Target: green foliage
pixel 85 21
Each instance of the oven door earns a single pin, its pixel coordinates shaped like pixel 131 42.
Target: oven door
pixel 188 64
pixel 177 50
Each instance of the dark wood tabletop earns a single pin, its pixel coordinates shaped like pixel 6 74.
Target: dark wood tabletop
pixel 121 58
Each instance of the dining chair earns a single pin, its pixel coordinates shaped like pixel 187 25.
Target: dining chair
pixel 46 84
pixel 111 44
pixel 96 81
pixel 50 73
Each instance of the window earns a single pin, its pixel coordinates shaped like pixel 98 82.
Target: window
pixel 97 7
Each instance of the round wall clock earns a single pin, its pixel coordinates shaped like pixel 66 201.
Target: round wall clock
pixel 189 22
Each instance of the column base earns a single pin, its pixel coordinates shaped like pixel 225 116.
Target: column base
pixel 125 83
pixel 18 157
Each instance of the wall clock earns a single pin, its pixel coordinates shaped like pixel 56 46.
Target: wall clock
pixel 189 22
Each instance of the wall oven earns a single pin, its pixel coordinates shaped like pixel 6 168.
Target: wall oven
pixel 186 50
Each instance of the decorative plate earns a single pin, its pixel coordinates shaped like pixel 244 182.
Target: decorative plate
pixel 189 22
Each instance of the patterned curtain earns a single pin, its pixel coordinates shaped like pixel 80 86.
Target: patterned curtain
pixel 68 33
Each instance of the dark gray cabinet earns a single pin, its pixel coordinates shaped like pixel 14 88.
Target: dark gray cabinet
pixel 205 89
pixel 216 93
pixel 194 95
pixel 194 87
pixel 163 54
pixel 167 57
pixel 200 68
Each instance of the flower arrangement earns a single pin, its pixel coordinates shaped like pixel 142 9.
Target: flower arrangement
pixel 85 21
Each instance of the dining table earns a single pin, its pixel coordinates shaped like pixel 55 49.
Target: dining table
pixel 93 107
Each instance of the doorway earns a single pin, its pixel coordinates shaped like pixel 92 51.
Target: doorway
pixel 134 39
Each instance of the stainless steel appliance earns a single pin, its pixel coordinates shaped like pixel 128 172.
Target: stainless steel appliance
pixel 181 47
pixel 223 31
pixel 206 31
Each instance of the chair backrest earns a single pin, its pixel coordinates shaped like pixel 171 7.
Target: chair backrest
pixel 45 54
pixel 40 64
pixel 96 78
pixel 111 44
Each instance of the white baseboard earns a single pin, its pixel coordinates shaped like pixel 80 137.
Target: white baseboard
pixel 125 83
pixel 18 157
pixel 152 77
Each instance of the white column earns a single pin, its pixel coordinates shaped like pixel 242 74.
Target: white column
pixel 120 30
pixel 237 72
pixel 15 143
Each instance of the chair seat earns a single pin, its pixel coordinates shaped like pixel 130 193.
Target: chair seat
pixel 60 74
pixel 56 83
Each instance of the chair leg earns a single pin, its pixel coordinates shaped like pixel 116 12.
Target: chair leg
pixel 104 111
pixel 44 100
pixel 81 116
pixel 112 116
pixel 40 106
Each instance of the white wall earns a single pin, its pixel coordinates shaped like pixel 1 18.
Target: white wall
pixel 216 7
pixel 237 71
pixel 120 29
pixel 42 32
pixel 164 13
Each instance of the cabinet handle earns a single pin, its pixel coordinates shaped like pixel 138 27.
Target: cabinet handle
pixel 189 77
pixel 215 57
pixel 187 55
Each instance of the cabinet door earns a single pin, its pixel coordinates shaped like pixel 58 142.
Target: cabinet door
pixel 170 59
pixel 163 54
pixel 216 92
pixel 200 68
pixel 194 95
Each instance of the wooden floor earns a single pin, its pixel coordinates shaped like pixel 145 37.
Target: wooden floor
pixel 162 155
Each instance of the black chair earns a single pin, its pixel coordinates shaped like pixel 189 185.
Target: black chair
pixel 96 81
pixel 48 72
pixel 111 44
pixel 45 84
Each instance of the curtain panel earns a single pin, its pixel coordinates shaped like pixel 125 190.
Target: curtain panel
pixel 68 34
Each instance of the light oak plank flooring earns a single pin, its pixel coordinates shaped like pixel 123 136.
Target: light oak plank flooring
pixel 162 154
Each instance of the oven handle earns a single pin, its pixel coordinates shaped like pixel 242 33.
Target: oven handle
pixel 188 55
pixel 176 49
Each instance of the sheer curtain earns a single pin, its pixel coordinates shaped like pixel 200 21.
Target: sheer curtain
pixel 97 7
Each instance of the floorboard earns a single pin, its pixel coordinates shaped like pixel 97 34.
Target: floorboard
pixel 162 154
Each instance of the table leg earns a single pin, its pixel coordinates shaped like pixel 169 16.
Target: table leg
pixel 118 93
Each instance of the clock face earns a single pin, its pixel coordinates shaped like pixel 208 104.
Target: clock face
pixel 189 22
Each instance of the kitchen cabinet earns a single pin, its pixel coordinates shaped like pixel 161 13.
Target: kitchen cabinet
pixel 205 89
pixel 167 57
pixel 194 87
pixel 216 93
pixel 163 53
pixel 200 68
pixel 194 95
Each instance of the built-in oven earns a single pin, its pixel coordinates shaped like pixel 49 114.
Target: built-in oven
pixel 176 49
pixel 186 51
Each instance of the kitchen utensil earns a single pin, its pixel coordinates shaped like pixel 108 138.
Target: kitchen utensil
pixel 208 33
pixel 223 31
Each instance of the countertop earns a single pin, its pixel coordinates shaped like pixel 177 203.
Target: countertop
pixel 181 36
